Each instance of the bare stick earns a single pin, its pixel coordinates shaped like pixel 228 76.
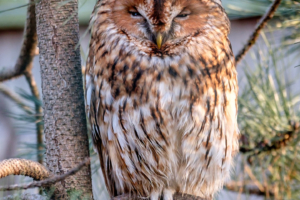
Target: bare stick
pixel 49 181
pixel 241 188
pixel 260 25
pixel 28 50
pixel 38 115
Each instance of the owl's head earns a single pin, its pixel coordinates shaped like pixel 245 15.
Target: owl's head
pixel 166 22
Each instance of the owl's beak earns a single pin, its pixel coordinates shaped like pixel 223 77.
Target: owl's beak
pixel 159 40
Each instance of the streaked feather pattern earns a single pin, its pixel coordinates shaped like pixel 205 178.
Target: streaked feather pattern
pixel 163 120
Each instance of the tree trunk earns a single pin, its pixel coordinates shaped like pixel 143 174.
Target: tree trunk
pixel 64 112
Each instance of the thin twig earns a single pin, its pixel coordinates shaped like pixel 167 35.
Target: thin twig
pixel 16 98
pixel 254 179
pixel 28 50
pixel 260 25
pixel 235 187
pixel 49 181
pixel 38 115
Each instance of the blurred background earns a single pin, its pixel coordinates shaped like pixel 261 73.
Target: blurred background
pixel 269 97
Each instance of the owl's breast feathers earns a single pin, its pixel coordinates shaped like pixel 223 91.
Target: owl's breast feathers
pixel 162 119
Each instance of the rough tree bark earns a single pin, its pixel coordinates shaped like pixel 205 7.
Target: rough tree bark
pixel 64 112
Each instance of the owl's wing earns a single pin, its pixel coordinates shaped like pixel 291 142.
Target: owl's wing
pixel 91 102
pixel 105 161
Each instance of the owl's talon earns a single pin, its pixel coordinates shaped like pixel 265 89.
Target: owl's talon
pixel 154 195
pixel 168 194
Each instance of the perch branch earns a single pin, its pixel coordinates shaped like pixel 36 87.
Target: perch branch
pixel 260 25
pixel 263 147
pixel 235 187
pixel 176 196
pixel 48 181
pixel 28 50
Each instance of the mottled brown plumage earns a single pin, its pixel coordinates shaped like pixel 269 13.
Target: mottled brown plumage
pixel 163 119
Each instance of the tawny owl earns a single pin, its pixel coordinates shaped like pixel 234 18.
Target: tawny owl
pixel 162 96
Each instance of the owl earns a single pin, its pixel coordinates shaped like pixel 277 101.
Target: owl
pixel 161 92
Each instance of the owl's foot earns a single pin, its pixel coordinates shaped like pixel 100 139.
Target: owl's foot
pixel 167 194
pixel 154 195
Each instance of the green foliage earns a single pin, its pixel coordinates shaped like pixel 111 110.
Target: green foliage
pixel 77 195
pixel 269 111
pixel 286 17
pixel 254 8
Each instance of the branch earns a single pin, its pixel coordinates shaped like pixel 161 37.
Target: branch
pixel 24 66
pixel 176 196
pixel 260 25
pixel 28 49
pixel 23 167
pixel 38 115
pixel 236 187
pixel 262 147
pixel 48 181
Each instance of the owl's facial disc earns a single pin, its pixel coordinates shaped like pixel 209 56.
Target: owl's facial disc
pixel 158 38
pixel 160 23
